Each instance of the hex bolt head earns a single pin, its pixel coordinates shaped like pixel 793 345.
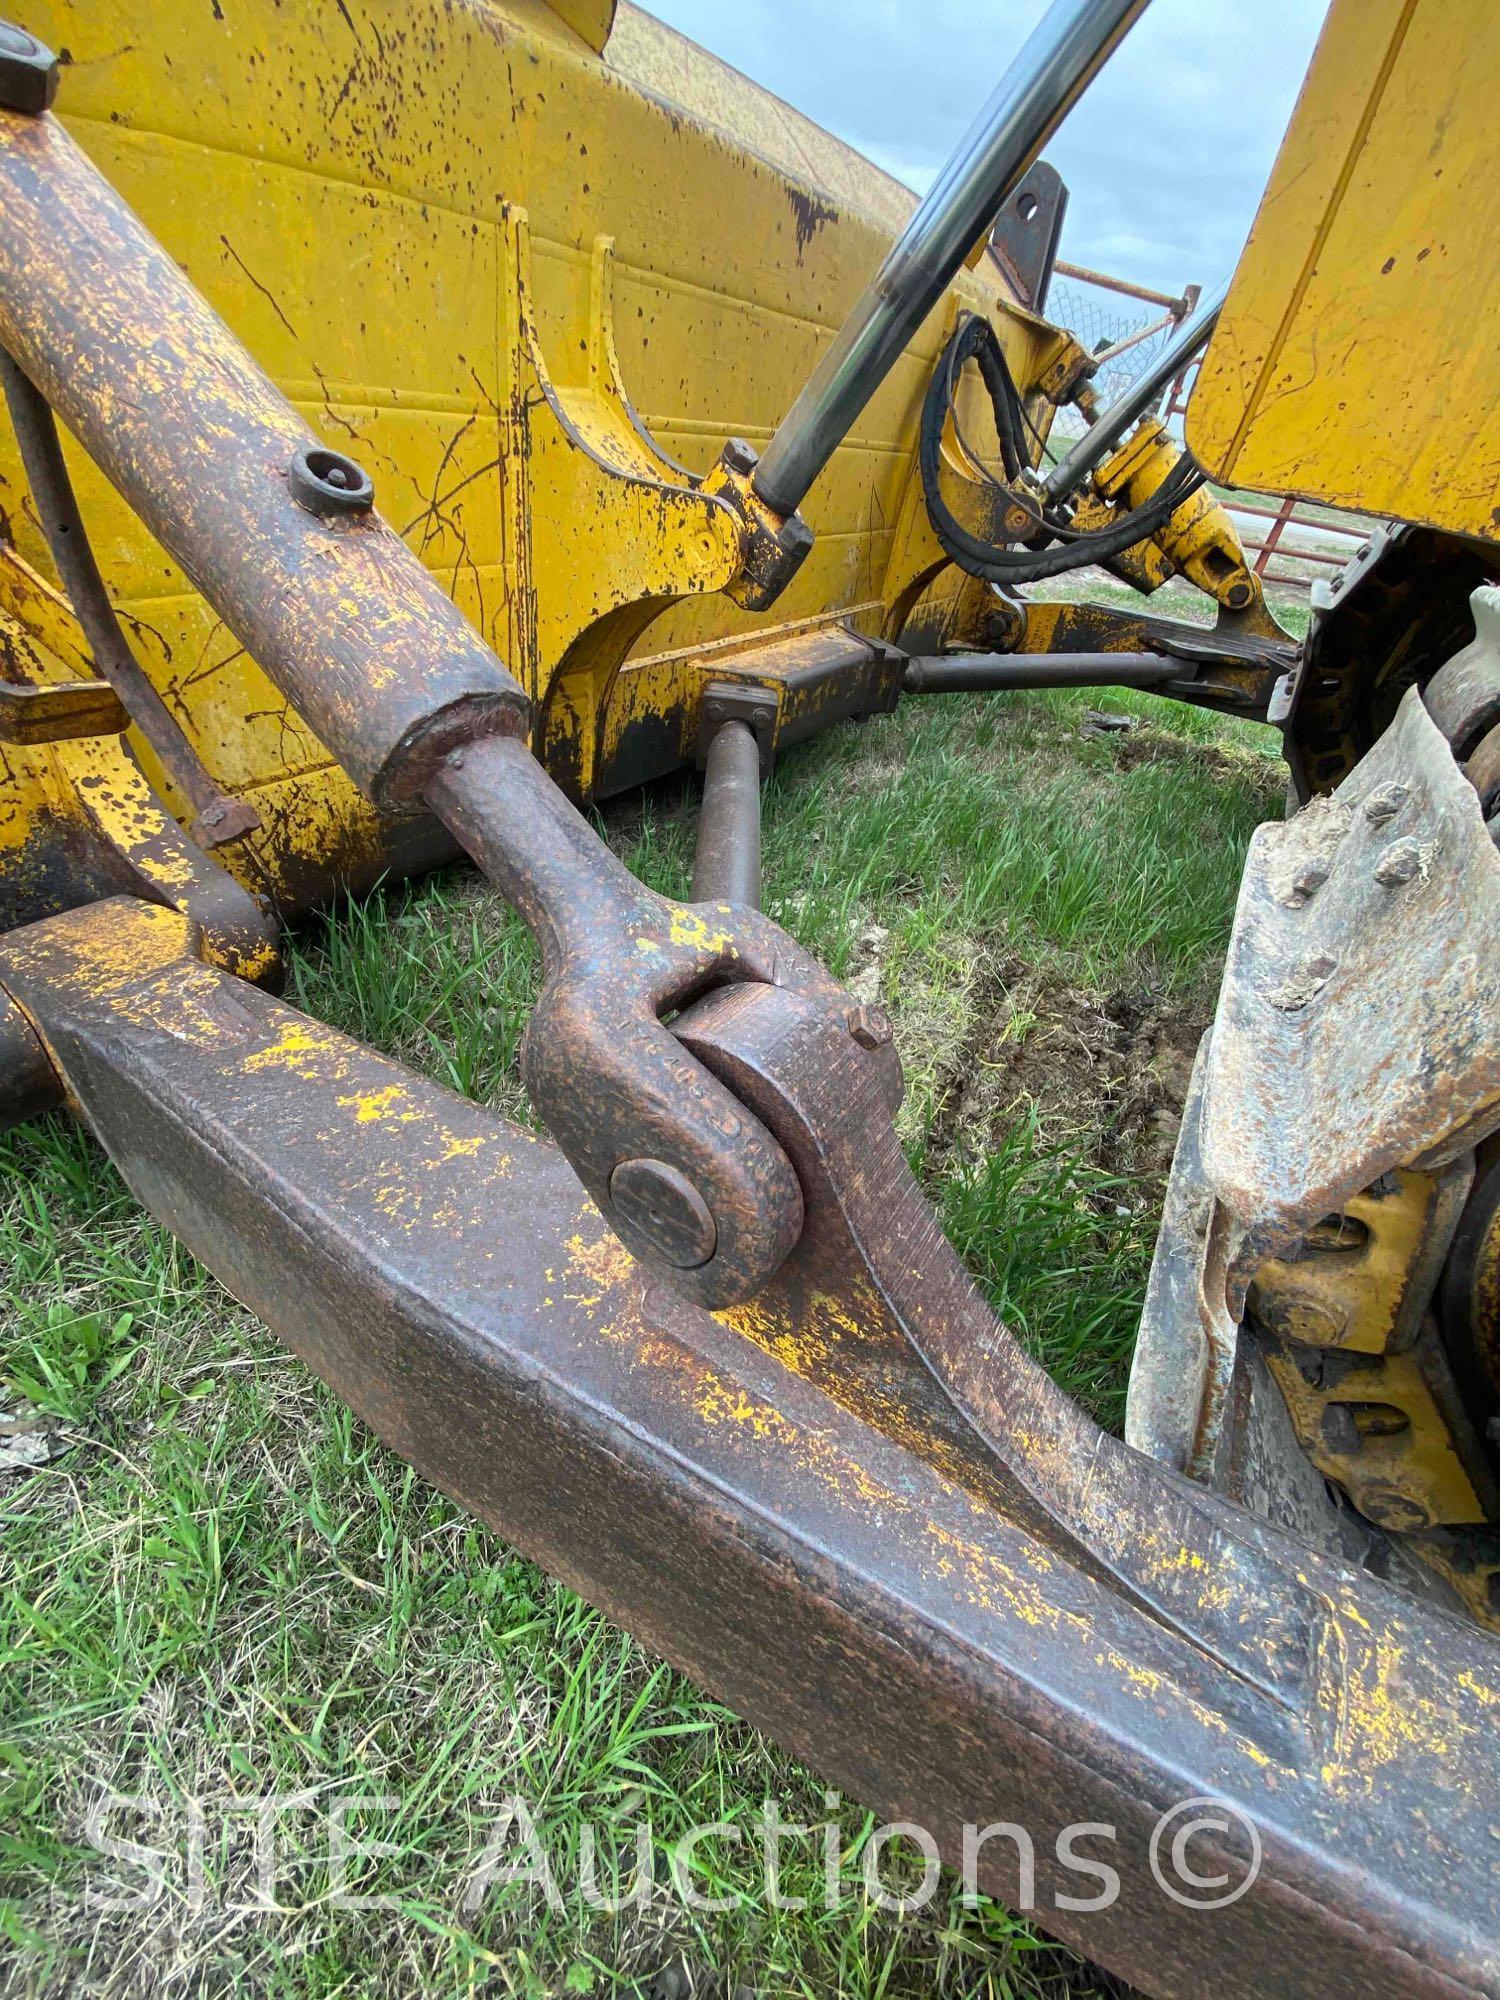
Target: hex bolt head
pixel 1385 802
pixel 1310 878
pixel 870 1027
pixel 796 538
pixel 28 72
pixel 740 458
pixel 1400 862
pixel 663 1208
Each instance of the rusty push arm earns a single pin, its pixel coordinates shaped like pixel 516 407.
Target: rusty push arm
pixel 961 1602
pixel 282 538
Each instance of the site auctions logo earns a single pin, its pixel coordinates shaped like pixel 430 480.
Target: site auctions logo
pixel 1201 1853
pixel 1228 1828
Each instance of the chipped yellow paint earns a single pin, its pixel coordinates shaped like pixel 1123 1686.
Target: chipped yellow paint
pixel 304 1048
pixel 563 339
pixel 371 1106
pixel 455 1148
pixel 603 1264
pixel 690 929
pixel 1353 362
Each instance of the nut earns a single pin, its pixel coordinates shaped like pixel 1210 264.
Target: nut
pixel 1310 878
pixel 1385 802
pixel 1400 862
pixel 740 458
pixel 870 1027
pixel 28 72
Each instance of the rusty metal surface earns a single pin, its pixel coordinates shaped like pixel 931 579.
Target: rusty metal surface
pixel 1027 230
pixel 975 673
pixel 220 819
pixel 612 1082
pixel 1234 664
pixel 1463 696
pixel 34 710
pixel 788 1507
pixel 726 860
pixel 28 1083
pixel 181 419
pixel 1169 1368
pixel 1357 1027
pixel 1351 1069
pixel 788 681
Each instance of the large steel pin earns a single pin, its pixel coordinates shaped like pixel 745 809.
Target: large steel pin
pixel 726 864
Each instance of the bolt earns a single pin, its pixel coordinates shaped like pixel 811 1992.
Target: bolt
pixel 714 710
pixel 796 538
pixel 1238 596
pixel 1305 982
pixel 740 458
pixel 1384 803
pixel 28 72
pixel 870 1027
pixel 1310 878
pixel 1400 862
pixel 662 1207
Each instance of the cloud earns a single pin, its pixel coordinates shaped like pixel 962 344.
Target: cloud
pixel 1165 157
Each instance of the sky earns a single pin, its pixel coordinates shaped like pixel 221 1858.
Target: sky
pixel 1165 157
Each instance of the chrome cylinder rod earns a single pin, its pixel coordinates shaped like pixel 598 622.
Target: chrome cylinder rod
pixel 726 866
pixel 1059 59
pixel 1105 433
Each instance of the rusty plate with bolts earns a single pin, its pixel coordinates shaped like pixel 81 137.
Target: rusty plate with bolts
pixel 1356 1026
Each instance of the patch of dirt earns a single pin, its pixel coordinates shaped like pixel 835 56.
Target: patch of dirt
pixel 1135 747
pixel 1108 1073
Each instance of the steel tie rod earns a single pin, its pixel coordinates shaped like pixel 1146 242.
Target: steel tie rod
pixel 1056 64
pixel 975 673
pixel 726 863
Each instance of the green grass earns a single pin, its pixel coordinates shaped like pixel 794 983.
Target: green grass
pixel 223 1587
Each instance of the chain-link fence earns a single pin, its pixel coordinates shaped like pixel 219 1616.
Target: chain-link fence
pixel 1100 320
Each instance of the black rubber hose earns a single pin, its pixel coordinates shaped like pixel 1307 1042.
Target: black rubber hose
pixel 976 339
